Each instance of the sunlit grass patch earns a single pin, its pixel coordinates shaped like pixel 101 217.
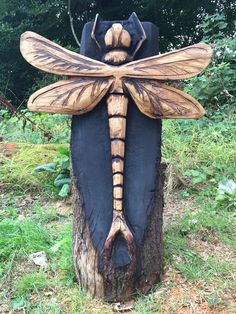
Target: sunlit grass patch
pixel 16 171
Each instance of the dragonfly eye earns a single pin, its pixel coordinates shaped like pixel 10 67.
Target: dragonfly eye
pixel 117 41
pixel 117 37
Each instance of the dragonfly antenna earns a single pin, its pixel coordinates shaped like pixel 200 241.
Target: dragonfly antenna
pixel 71 23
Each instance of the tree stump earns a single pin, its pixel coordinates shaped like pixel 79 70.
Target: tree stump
pixel 116 145
pixel 118 278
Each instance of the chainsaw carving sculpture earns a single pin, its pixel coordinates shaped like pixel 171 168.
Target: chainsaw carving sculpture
pixel 117 78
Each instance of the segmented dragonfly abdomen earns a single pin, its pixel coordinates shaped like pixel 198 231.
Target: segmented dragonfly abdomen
pixel 117 111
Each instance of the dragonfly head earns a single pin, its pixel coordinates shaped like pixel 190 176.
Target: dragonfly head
pixel 117 41
pixel 119 44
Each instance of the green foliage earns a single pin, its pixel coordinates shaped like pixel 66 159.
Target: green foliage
pixel 16 17
pixel 61 170
pixel 61 250
pixel 207 224
pixel 20 238
pixel 226 196
pixel 215 88
pixel 43 215
pixel 40 128
pixel 176 19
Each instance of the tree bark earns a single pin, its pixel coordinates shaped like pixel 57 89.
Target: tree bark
pixel 128 266
pixel 97 276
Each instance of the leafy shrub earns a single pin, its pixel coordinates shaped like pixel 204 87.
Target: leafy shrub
pixel 215 88
pixel 34 127
pixel 60 169
pixel 226 196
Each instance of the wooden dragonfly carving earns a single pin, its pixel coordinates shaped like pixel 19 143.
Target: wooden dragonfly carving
pixel 117 79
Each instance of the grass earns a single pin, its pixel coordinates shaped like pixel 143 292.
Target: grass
pixel 200 152
pixel 200 239
pixel 31 283
pixel 17 164
pixel 20 238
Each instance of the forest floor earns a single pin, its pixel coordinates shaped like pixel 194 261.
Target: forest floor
pixel 199 237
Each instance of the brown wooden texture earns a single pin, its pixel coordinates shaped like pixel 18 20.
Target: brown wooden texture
pixel 74 96
pixel 117 105
pixel 114 284
pixel 117 37
pixel 157 100
pixel 91 77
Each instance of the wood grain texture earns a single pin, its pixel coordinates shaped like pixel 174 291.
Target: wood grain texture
pixel 118 179
pixel 50 57
pixel 118 285
pixel 90 81
pixel 118 192
pixel 62 97
pixel 116 105
pixel 118 148
pixel 117 165
pixel 117 110
pixel 117 127
pixel 160 101
pixel 117 37
pixel 84 253
pixel 118 226
pixel 75 96
pixel 175 65
pixel 118 205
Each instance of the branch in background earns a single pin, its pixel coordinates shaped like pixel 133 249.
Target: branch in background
pixel 5 103
pixel 72 24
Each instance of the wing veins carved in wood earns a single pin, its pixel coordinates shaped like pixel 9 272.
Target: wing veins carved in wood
pixel 175 65
pixel 75 96
pixel 52 58
pixel 92 79
pixel 160 101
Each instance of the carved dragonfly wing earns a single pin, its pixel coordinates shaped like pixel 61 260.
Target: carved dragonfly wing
pixel 175 65
pixel 50 57
pixel 162 101
pixel 90 80
pixel 74 96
